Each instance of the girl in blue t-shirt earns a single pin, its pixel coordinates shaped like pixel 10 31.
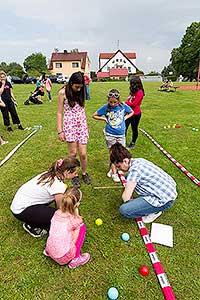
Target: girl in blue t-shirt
pixel 114 113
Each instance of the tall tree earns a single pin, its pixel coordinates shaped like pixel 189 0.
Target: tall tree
pixel 35 63
pixel 185 58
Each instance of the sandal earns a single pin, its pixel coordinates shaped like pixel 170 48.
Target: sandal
pixel 86 178
pixel 76 182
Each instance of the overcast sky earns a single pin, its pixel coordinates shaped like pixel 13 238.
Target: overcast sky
pixel 151 28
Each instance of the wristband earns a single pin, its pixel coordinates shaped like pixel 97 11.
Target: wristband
pixel 60 132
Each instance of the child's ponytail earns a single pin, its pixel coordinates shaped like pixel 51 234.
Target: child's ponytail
pixel 57 169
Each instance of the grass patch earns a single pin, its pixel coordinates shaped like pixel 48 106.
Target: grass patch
pixel 27 274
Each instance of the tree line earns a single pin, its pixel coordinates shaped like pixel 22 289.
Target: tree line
pixel 34 65
pixel 185 59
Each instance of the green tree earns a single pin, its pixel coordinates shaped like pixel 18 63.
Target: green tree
pixel 13 69
pixel 35 64
pixel 185 59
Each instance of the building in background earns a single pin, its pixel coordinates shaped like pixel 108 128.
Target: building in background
pixel 65 63
pixel 116 65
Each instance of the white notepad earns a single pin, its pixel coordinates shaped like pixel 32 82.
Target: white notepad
pixel 162 234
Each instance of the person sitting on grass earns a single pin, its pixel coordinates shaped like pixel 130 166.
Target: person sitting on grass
pixel 67 232
pixel 114 113
pixel 31 202
pixel 155 188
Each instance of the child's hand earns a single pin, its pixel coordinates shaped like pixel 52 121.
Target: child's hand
pixel 61 137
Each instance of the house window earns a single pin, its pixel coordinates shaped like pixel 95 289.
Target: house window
pixel 120 59
pixel 129 69
pixel 117 60
pixel 124 61
pixel 75 65
pixel 113 61
pixel 108 68
pixel 58 65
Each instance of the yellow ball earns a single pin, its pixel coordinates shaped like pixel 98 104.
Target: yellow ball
pixel 98 222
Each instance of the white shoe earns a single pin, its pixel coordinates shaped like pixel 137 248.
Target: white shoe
pixel 150 218
pixel 109 174
pixel 115 177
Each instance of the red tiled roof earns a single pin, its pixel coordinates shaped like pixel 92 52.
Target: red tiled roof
pixel 71 56
pixel 103 75
pixel 109 55
pixel 118 72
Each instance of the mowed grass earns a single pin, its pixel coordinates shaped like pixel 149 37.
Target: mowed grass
pixel 27 274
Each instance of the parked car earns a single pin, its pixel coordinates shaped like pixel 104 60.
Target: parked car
pixel 15 79
pixel 30 79
pixel 53 78
pixel 62 79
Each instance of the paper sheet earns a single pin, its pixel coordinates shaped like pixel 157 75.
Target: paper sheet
pixel 162 234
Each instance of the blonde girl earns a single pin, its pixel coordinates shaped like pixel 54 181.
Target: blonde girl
pixel 67 232
pixel 114 113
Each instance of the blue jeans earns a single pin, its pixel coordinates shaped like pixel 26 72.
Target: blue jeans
pixel 139 207
pixel 87 92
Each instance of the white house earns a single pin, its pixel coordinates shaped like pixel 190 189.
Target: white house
pixel 113 61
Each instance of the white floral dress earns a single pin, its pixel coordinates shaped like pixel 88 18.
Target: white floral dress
pixel 75 124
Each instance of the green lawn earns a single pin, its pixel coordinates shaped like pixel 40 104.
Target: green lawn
pixel 27 274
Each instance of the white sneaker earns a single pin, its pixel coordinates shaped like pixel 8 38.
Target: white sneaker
pixel 115 177
pixel 150 218
pixel 109 174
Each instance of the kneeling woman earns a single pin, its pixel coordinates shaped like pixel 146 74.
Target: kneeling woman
pixel 31 202
pixel 155 188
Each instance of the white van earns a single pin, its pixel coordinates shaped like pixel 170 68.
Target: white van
pixel 62 79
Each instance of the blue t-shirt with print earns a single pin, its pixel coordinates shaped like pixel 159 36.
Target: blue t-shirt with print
pixel 115 118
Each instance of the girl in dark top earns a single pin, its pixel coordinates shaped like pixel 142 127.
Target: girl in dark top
pixel 8 98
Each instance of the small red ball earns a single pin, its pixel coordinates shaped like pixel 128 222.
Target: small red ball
pixel 144 271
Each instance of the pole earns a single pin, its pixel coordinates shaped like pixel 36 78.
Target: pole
pixel 180 166
pixel 16 148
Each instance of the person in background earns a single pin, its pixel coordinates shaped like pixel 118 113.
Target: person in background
pixel 9 100
pixel 134 100
pixel 67 232
pixel 155 188
pixel 48 85
pixel 2 142
pixel 87 86
pixel 73 127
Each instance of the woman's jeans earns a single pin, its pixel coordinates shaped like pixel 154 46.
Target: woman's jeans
pixel 139 207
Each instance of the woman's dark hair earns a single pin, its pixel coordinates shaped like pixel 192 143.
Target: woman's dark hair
pixel 75 97
pixel 118 153
pixel 117 92
pixel 135 85
pixel 69 164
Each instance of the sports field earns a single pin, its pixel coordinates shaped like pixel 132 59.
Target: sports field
pixel 27 274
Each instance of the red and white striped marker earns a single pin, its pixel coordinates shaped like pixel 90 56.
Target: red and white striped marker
pixel 181 167
pixel 158 268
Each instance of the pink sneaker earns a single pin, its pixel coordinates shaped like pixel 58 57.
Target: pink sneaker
pixel 79 261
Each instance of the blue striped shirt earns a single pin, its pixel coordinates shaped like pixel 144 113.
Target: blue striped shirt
pixel 153 184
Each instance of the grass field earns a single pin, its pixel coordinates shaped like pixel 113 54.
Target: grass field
pixel 27 274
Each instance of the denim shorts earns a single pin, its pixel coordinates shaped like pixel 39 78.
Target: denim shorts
pixel 112 139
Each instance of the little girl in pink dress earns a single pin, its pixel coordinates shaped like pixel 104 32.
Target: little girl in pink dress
pixel 67 232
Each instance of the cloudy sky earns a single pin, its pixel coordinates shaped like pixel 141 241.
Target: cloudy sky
pixel 151 28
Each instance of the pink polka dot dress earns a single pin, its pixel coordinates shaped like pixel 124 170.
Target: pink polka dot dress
pixel 75 124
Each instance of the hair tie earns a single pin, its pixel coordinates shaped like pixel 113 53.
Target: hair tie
pixel 59 162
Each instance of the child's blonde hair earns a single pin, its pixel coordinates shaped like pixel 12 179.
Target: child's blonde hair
pixel 70 198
